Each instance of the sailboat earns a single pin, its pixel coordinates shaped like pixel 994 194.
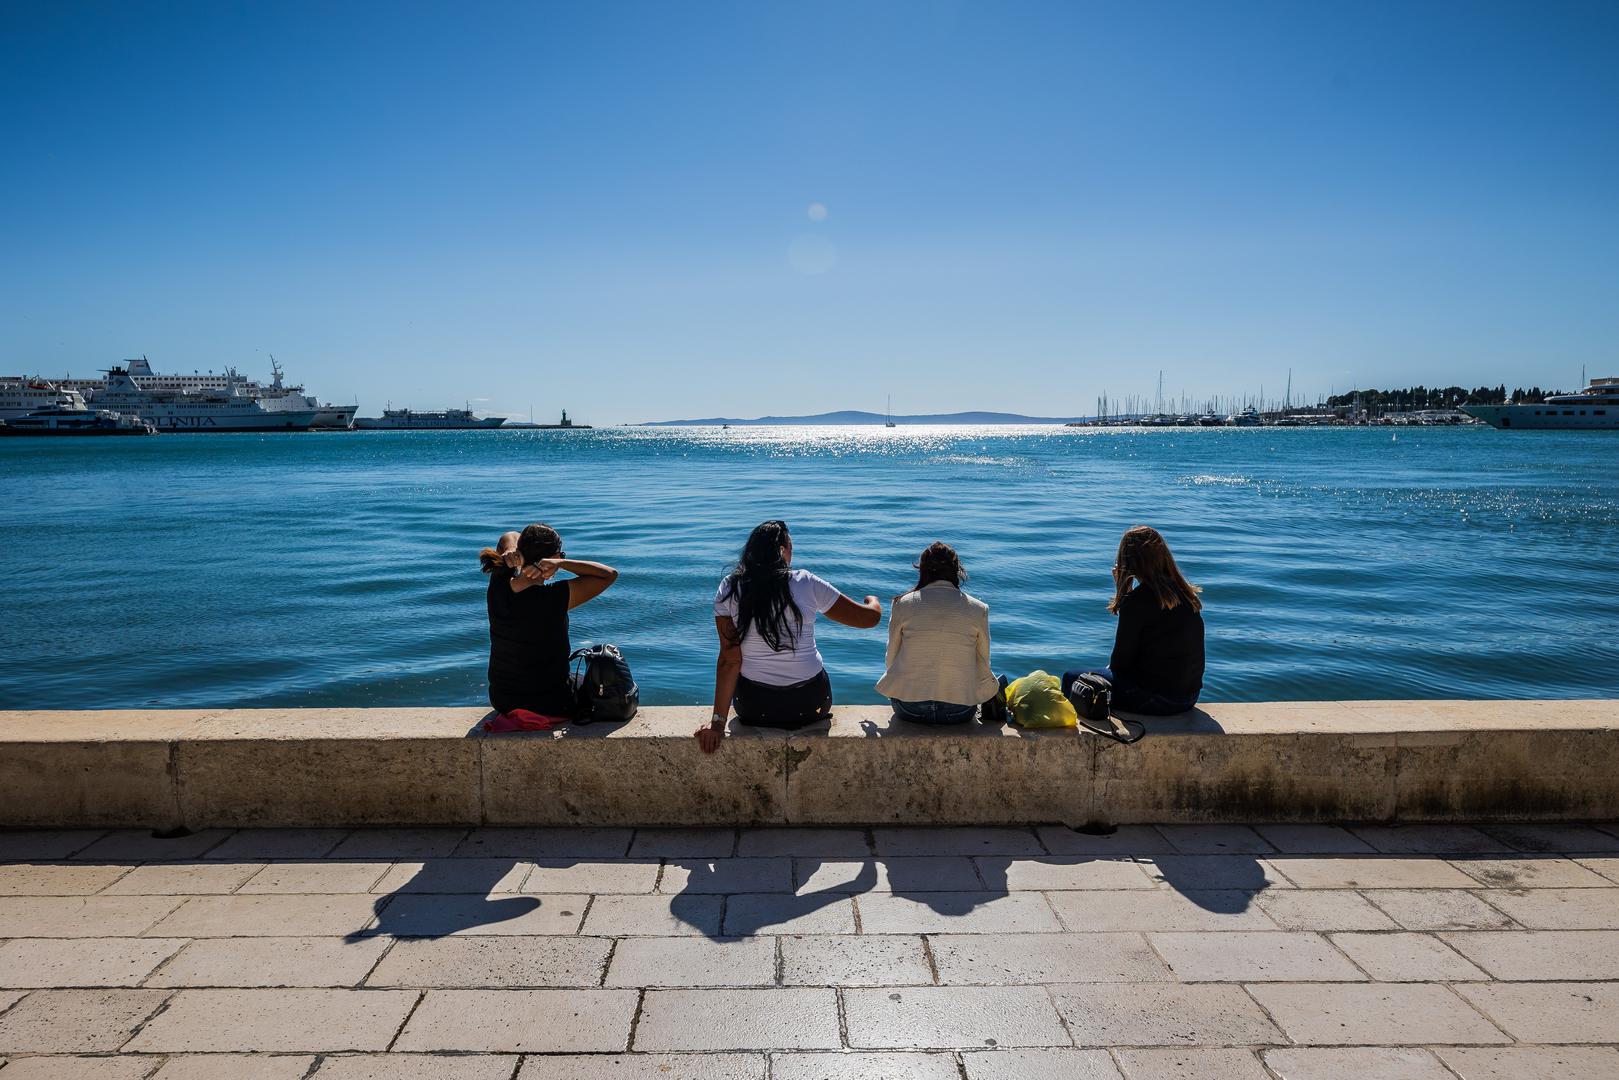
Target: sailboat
pixel 889 422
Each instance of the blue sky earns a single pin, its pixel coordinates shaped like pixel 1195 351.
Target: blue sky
pixel 608 207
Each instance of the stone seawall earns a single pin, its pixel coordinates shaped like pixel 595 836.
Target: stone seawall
pixel 1358 761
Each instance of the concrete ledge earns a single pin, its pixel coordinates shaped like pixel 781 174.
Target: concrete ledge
pixel 1260 762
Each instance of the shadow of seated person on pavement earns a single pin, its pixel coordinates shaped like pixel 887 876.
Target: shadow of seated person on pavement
pixel 446 896
pixel 722 901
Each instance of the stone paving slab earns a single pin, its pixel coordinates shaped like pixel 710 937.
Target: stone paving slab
pixel 567 1021
pixel 82 962
pixel 76 1021
pixel 237 1067
pixel 1007 953
pixel 1040 1065
pixel 284 1020
pixel 956 1016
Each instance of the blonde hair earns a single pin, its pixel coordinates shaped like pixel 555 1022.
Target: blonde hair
pixel 1145 561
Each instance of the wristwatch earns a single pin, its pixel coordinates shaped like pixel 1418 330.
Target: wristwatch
pixel 718 722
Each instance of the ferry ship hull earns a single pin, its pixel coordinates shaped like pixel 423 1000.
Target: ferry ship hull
pixel 371 423
pixel 1547 417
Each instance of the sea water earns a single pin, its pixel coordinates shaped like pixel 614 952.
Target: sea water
pixel 341 569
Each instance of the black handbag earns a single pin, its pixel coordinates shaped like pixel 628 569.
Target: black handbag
pixel 1092 698
pixel 604 689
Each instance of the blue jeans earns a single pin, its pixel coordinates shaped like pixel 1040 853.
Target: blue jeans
pixel 1130 698
pixel 933 712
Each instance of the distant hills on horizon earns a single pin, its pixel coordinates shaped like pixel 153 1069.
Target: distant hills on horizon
pixel 854 416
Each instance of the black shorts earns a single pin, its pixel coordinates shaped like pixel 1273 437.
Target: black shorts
pixel 795 706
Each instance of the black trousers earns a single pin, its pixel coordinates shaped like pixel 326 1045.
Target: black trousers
pixel 795 706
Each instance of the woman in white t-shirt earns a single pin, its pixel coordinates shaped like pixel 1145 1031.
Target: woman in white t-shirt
pixel 765 614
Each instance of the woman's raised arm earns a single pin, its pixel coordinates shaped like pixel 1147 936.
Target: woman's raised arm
pixel 860 616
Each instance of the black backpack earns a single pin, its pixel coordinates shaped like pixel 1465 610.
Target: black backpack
pixel 604 689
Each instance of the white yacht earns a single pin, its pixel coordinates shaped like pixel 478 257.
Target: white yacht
pixel 229 409
pixel 23 397
pixel 68 420
pixel 1595 407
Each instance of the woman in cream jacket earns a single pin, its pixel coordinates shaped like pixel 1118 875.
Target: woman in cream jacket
pixel 938 646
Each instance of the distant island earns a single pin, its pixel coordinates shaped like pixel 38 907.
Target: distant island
pixel 850 416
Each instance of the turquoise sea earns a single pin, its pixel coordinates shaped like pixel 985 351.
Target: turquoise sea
pixel 341 569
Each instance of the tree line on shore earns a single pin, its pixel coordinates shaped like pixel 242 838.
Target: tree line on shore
pixel 1436 397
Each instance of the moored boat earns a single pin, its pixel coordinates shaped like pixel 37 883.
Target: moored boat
pixel 66 420
pixel 202 410
pixel 417 420
pixel 1594 408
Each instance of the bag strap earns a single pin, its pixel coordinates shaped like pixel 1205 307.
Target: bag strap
pixel 1118 729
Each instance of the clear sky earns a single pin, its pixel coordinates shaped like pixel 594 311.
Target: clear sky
pixel 651 210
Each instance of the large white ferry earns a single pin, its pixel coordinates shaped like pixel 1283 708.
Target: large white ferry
pixel 412 419
pixel 277 396
pixel 1597 406
pixel 230 409
pixel 23 397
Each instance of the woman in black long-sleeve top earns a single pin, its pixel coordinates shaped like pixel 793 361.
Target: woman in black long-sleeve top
pixel 1157 662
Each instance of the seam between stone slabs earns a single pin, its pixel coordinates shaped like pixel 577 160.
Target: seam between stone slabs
pixel 843 1018
pixel 162 1008
pixel 483 793
pixel 927 954
pixel 781 963
pixel 1062 1021
pixel 421 996
pixel 1247 990
pixel 607 961
pixel 166 961
pixel 173 764
pixel 635 1021
pixel 1327 936
pixel 1512 1040
pixel 1055 914
pixel 1483 896
pixel 372 970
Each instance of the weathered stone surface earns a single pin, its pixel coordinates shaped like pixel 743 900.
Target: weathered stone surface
pixel 521 1021
pixel 1481 775
pixel 469 962
pixel 1192 770
pixel 644 1067
pixel 252 767
pixel 1039 1065
pixel 787 1019
pixel 207 1021
pixel 576 775
pixel 82 962
pixel 848 774
pixel 1278 762
pixel 75 1021
pixel 106 767
pixel 855 1065
pixel 1375 1014
pixel 853 960
pixel 271 961
pixel 237 1067
pixel 941 1017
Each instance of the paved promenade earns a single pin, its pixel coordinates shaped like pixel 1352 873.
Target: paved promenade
pixel 1211 952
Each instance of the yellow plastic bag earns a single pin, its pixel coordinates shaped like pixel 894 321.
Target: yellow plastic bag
pixel 1037 701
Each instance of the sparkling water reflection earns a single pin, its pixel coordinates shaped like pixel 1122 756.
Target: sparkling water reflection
pixel 341 570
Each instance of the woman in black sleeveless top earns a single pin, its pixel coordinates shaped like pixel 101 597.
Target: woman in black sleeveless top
pixel 528 618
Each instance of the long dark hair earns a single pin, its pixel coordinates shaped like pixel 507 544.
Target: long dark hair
pixel 759 584
pixel 1144 557
pixel 938 563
